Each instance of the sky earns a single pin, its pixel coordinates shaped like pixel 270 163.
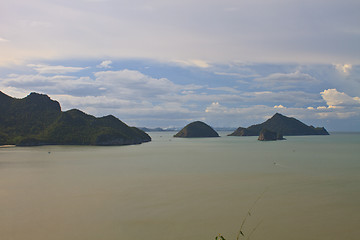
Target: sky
pixel 159 63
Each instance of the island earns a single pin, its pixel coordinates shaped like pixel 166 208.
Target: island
pixel 38 120
pixel 197 129
pixel 266 135
pixel 280 124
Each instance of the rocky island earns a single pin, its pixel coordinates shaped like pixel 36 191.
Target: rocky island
pixel 280 124
pixel 38 120
pixel 197 129
pixel 266 135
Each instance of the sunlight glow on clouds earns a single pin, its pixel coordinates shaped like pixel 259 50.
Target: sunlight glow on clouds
pixel 343 68
pixel 193 63
pixel 335 98
pixel 279 106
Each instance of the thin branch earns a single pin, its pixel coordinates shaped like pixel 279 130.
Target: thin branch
pixel 252 231
pixel 249 214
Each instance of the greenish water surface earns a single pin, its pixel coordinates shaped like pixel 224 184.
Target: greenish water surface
pixel 173 188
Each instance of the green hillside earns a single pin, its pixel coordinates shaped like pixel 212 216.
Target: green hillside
pixel 38 120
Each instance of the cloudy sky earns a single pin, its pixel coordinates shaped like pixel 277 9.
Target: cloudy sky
pixel 160 63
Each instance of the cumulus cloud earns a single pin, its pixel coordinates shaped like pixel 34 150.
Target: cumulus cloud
pixel 339 106
pixel 336 98
pixel 279 106
pixel 105 64
pixel 48 69
pixel 150 97
pixel 343 68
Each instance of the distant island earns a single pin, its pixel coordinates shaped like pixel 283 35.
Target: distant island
pixel 197 129
pixel 281 125
pixel 37 120
pixel 158 129
pixel 173 129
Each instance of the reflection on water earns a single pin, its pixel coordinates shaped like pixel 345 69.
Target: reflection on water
pixel 175 188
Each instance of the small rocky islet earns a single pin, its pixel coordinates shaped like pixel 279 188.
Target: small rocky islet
pixel 278 126
pixel 271 130
pixel 267 135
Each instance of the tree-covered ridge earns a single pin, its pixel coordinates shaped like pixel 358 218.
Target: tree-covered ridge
pixel 281 124
pixel 38 120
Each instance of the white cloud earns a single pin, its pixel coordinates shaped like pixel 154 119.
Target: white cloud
pixel 23 81
pixel 279 106
pixel 337 115
pixel 343 68
pixel 339 106
pixel 295 77
pixel 162 101
pixel 136 85
pixel 335 98
pixel 133 84
pixel 105 64
pixel 48 69
pixel 215 107
pixel 193 63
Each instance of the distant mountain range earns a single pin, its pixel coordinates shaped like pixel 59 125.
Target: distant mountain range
pixel 159 129
pixel 280 124
pixel 38 120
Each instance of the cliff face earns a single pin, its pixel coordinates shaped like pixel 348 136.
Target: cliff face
pixel 38 120
pixel 266 135
pixel 197 130
pixel 283 125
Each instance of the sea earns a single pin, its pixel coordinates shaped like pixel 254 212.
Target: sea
pixel 305 187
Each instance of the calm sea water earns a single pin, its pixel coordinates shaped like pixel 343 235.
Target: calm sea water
pixel 306 187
